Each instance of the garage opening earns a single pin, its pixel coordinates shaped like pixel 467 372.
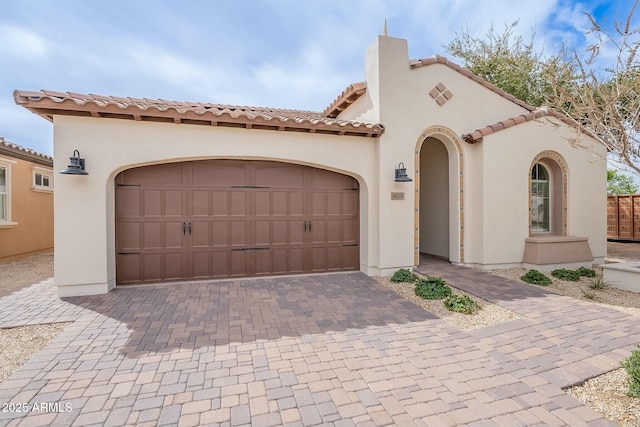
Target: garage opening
pixel 233 218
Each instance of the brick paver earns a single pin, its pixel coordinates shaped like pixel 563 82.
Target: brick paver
pixel 331 349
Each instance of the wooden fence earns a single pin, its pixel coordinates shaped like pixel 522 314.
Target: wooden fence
pixel 623 217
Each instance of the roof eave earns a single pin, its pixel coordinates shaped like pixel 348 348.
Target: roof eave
pixel 46 107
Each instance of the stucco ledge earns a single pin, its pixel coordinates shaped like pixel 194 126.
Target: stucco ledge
pixel 549 251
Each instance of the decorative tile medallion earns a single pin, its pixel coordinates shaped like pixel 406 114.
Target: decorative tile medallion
pixel 441 94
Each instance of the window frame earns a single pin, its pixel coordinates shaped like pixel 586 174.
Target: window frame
pixel 549 208
pixel 6 165
pixel 37 170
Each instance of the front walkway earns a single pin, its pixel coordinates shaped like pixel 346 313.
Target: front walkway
pixel 332 349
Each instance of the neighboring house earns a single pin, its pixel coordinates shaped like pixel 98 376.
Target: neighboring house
pixel 26 201
pixel 180 191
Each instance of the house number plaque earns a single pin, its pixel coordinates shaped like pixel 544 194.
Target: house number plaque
pixel 397 196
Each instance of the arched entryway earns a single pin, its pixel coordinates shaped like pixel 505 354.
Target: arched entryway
pixel 233 218
pixel 439 195
pixel 434 198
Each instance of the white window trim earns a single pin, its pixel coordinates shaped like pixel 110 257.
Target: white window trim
pixel 42 171
pixel 7 223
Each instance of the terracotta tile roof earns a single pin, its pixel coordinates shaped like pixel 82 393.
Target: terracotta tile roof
pixel 478 134
pixel 48 103
pixel 10 149
pixel 345 99
pixel 437 59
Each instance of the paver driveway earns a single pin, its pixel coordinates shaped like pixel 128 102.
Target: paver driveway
pixel 333 349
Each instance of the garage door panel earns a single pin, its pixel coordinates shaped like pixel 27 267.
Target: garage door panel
pixel 129 236
pixel 153 267
pixel 173 203
pixel 318 231
pixel 239 233
pixel 129 202
pixel 334 258
pixel 128 268
pixel 279 175
pixel 327 179
pixel 351 257
pixel 318 204
pixel 296 204
pixel 152 203
pixel 350 203
pixel 152 235
pixel 263 203
pixel 173 234
pixel 262 261
pixel 279 258
pixel 296 232
pixel 220 233
pixel 200 234
pixel 239 263
pixel 296 258
pixel 219 173
pixel 169 174
pixel 334 203
pixel 220 263
pixel 350 231
pixel 238 203
pixel 279 232
pixel 279 203
pixel 200 205
pixel 263 232
pixel 201 264
pixel 334 231
pixel 173 266
pixel 220 203
pixel 318 259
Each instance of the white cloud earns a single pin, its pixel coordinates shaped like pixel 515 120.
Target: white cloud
pixel 22 43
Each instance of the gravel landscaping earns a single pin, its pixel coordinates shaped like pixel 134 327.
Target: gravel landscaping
pixel 606 393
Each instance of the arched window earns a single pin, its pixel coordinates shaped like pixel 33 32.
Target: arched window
pixel 540 199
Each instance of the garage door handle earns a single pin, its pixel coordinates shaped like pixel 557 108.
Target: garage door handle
pixel 189 229
pixel 305 226
pixel 309 226
pixel 184 228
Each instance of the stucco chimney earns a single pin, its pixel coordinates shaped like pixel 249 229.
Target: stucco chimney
pixel 386 65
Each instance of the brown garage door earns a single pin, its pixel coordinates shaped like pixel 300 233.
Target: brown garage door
pixel 232 218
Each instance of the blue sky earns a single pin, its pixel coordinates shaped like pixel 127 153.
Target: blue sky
pixel 276 53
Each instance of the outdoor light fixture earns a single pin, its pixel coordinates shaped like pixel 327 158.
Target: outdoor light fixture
pixel 401 174
pixel 76 165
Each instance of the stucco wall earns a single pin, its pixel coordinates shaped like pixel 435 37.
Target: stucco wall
pixel 85 218
pixel 506 182
pixel 31 210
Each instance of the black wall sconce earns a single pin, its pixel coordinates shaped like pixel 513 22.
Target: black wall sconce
pixel 401 174
pixel 76 165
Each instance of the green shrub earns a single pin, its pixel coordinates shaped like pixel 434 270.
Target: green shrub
pixel 461 304
pixel 588 294
pixel 632 366
pixel 403 275
pixel 564 274
pixel 586 272
pixel 598 285
pixel 432 288
pixel 536 278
